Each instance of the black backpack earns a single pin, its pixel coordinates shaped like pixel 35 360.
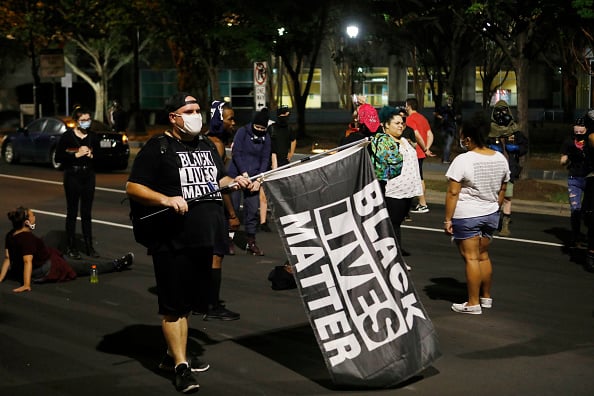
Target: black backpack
pixel 281 277
pixel 146 229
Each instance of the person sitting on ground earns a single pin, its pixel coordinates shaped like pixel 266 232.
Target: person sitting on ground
pixel 28 254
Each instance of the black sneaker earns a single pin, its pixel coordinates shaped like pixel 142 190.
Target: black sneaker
pixel 91 252
pixel 221 313
pixel 184 379
pixel 123 262
pixel 265 227
pixel 420 209
pixel 196 365
pixel 73 253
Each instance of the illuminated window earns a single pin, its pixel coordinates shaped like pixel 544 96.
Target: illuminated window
pixel 506 88
pixel 375 86
pixel 314 100
pixel 410 87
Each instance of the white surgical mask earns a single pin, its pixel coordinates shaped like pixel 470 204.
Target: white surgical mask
pixel 85 124
pixel 31 226
pixel 192 123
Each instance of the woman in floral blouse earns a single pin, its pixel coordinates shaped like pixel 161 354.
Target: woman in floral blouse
pixel 396 167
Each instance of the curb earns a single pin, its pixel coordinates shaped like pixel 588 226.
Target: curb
pixel 518 205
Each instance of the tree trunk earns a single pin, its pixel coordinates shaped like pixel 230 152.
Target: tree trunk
pixel 99 90
pixel 569 93
pixel 521 66
pixel 215 88
pixel 300 101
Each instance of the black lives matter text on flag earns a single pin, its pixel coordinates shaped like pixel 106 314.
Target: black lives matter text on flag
pixel 371 327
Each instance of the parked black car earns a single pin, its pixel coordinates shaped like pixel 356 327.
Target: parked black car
pixel 37 143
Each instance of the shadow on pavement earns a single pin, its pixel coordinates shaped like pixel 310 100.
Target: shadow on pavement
pixel 145 344
pixel 297 349
pixel 448 289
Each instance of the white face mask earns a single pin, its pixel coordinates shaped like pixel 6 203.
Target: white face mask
pixel 85 124
pixel 31 226
pixel 192 123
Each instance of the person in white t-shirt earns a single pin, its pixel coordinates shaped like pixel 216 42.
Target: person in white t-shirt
pixel 477 180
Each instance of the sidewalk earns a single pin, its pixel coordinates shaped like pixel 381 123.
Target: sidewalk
pixel 433 169
pixel 437 170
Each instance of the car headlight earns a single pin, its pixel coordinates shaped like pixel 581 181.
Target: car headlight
pixel 124 138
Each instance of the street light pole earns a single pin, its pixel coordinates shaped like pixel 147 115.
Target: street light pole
pixel 352 31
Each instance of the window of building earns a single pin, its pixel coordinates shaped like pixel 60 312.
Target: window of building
pixel 375 86
pixel 314 99
pixel 238 84
pixel 506 90
pixel 156 86
pixel 410 88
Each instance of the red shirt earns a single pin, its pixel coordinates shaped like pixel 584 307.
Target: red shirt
pixel 418 122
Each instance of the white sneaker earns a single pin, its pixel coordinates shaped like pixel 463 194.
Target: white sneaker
pixel 420 209
pixel 467 309
pixel 486 302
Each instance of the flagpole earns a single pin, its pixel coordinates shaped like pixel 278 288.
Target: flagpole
pixel 264 174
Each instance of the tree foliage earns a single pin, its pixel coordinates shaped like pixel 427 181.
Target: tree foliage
pixel 29 24
pixel 439 38
pixel 99 37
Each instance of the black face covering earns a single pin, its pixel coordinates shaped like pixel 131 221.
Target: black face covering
pixel 258 133
pixel 580 137
pixel 502 117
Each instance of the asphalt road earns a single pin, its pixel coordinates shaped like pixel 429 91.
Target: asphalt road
pixel 78 338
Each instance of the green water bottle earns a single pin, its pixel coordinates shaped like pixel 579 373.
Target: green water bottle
pixel 94 274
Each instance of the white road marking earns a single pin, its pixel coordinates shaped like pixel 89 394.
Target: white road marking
pixel 530 241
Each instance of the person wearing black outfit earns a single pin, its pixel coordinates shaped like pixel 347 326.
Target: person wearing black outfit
pixel 180 171
pixel 573 157
pixel 75 153
pixel 588 202
pixel 117 117
pixel 222 126
pixel 284 139
pixel 446 118
pixel 283 145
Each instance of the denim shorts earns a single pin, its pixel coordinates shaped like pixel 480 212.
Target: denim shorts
pixel 483 226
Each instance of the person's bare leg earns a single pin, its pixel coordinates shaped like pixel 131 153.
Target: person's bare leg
pixel 469 249
pixel 506 206
pixel 486 267
pixel 175 331
pixel 263 206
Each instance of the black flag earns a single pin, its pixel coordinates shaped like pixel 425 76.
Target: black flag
pixel 370 325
